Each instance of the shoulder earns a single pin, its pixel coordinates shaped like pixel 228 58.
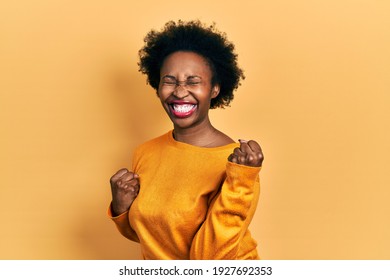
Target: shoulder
pixel 153 144
pixel 149 150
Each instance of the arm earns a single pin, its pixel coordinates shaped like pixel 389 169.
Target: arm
pixel 123 225
pixel 232 210
pixel 124 189
pixel 229 215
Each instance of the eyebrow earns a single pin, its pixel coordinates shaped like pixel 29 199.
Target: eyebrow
pixel 168 76
pixel 192 77
pixel 174 78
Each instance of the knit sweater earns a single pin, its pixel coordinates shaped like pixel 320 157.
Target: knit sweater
pixel 192 204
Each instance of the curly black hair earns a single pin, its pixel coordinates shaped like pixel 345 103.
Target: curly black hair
pixel 196 37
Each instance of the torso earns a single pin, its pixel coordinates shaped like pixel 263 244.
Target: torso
pixel 177 183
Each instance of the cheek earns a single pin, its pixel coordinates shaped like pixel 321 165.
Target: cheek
pixel 162 95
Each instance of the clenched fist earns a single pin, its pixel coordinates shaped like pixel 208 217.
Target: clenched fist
pixel 249 153
pixel 124 189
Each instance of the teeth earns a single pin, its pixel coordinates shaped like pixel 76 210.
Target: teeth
pixel 183 108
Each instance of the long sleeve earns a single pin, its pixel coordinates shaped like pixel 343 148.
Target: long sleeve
pixel 230 213
pixel 122 221
pixel 123 225
pixel 192 203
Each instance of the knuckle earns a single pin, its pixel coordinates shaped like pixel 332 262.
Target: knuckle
pixel 116 176
pixel 113 180
pixel 233 158
pixel 133 183
pixel 122 186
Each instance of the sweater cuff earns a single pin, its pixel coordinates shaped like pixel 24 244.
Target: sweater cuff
pixel 237 171
pixel 119 217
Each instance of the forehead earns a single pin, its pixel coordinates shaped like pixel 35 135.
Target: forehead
pixel 184 63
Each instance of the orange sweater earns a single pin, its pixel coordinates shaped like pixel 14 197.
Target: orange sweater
pixel 192 203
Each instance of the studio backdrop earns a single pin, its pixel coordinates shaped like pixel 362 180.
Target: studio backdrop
pixel 73 107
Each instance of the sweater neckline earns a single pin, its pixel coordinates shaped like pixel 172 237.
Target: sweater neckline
pixel 172 141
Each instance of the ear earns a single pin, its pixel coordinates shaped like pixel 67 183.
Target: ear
pixel 215 91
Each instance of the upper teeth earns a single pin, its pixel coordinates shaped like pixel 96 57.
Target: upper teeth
pixel 183 108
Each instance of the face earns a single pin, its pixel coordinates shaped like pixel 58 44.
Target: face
pixel 185 89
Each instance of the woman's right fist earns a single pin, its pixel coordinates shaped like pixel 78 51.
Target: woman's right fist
pixel 124 189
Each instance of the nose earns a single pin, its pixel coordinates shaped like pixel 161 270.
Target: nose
pixel 180 91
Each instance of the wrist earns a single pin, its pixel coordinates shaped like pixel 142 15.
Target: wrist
pixel 117 210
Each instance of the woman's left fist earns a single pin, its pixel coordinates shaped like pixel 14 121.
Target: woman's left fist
pixel 249 153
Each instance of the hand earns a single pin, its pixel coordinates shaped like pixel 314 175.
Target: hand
pixel 124 189
pixel 249 153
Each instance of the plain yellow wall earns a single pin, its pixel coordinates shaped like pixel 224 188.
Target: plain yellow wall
pixel 317 94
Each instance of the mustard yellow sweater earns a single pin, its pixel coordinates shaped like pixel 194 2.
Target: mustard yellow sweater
pixel 192 204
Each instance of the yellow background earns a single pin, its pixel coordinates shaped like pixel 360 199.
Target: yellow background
pixel 73 106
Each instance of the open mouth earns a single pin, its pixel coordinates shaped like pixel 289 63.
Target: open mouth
pixel 182 110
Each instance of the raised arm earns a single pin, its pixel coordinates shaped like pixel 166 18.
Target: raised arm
pixel 231 211
pixel 124 189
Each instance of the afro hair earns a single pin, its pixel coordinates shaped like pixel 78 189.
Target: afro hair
pixel 196 37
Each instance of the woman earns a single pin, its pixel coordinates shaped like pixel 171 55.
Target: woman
pixel 193 191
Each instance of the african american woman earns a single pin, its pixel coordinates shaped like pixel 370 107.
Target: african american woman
pixel 192 192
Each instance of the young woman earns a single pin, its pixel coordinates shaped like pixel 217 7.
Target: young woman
pixel 192 192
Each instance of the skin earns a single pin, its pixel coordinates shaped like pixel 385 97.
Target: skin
pixel 195 130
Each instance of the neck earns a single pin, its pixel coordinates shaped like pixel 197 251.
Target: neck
pixel 201 135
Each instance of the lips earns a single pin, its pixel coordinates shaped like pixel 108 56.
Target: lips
pixel 182 109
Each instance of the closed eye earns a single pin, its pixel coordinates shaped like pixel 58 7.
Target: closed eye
pixel 169 83
pixel 193 83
